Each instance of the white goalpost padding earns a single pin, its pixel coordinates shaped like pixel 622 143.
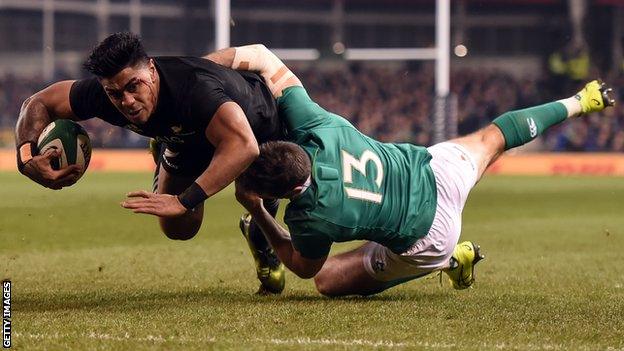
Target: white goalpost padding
pixel 222 24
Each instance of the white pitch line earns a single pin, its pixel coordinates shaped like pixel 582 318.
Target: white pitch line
pixel 334 342
pixel 293 341
pixel 309 341
pixel 124 337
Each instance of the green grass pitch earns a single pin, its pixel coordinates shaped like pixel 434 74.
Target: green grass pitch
pixel 90 275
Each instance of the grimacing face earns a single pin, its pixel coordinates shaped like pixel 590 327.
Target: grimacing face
pixel 134 91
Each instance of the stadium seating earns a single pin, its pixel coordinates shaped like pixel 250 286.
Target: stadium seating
pixel 398 110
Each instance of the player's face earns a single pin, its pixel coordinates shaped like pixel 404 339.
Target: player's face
pixel 134 91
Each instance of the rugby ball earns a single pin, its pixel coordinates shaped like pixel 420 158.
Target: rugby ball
pixel 70 139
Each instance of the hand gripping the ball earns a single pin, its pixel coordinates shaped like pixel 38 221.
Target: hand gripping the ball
pixel 39 169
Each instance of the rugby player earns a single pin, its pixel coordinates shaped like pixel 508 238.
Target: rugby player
pixel 406 201
pixel 208 119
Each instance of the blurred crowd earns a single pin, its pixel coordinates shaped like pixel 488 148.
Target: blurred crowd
pixel 392 104
pixel 398 105
pixel 14 90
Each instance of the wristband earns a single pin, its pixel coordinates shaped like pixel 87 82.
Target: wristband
pixel 192 196
pixel 25 153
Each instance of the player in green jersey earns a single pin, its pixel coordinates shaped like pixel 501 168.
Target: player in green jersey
pixel 404 200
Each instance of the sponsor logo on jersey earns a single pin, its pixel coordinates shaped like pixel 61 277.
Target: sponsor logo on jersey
pixel 167 161
pixel 169 153
pixel 177 130
pixel 532 127
pixel 133 128
pixel 170 139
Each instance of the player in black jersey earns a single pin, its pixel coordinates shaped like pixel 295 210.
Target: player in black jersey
pixel 209 120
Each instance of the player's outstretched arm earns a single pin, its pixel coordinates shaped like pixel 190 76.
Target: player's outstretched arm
pixel 278 237
pixel 258 58
pixel 37 112
pixel 235 149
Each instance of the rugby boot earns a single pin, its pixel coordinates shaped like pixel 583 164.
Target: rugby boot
pixel 595 97
pixel 461 270
pixel 269 269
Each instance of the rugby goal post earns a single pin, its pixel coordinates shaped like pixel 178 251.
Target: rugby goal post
pixel 445 110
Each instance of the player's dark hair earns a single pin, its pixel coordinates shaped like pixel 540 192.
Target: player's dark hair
pixel 116 52
pixel 280 168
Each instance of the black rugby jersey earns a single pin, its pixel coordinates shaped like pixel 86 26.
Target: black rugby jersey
pixel 191 91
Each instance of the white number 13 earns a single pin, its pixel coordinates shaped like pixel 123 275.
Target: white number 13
pixel 350 163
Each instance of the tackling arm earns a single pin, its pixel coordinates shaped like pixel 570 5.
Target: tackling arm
pixel 278 237
pixel 259 59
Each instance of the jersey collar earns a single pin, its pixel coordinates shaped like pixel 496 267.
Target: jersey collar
pixel 304 187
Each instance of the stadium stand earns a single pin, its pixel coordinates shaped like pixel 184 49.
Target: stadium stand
pixel 400 111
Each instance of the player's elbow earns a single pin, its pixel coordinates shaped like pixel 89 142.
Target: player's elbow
pixel 27 102
pixel 30 111
pixel 260 49
pixel 265 58
pixel 34 99
pixel 251 149
pixel 258 46
pixel 254 149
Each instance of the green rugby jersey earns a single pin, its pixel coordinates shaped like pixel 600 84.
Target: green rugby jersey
pixel 361 189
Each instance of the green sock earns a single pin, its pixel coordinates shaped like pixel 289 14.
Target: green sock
pixel 521 126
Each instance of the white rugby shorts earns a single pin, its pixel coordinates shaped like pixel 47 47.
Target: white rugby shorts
pixel 455 172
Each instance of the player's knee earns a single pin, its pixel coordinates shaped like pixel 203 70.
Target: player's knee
pixel 178 235
pixel 329 283
pixel 325 285
pixel 180 231
pixel 331 287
